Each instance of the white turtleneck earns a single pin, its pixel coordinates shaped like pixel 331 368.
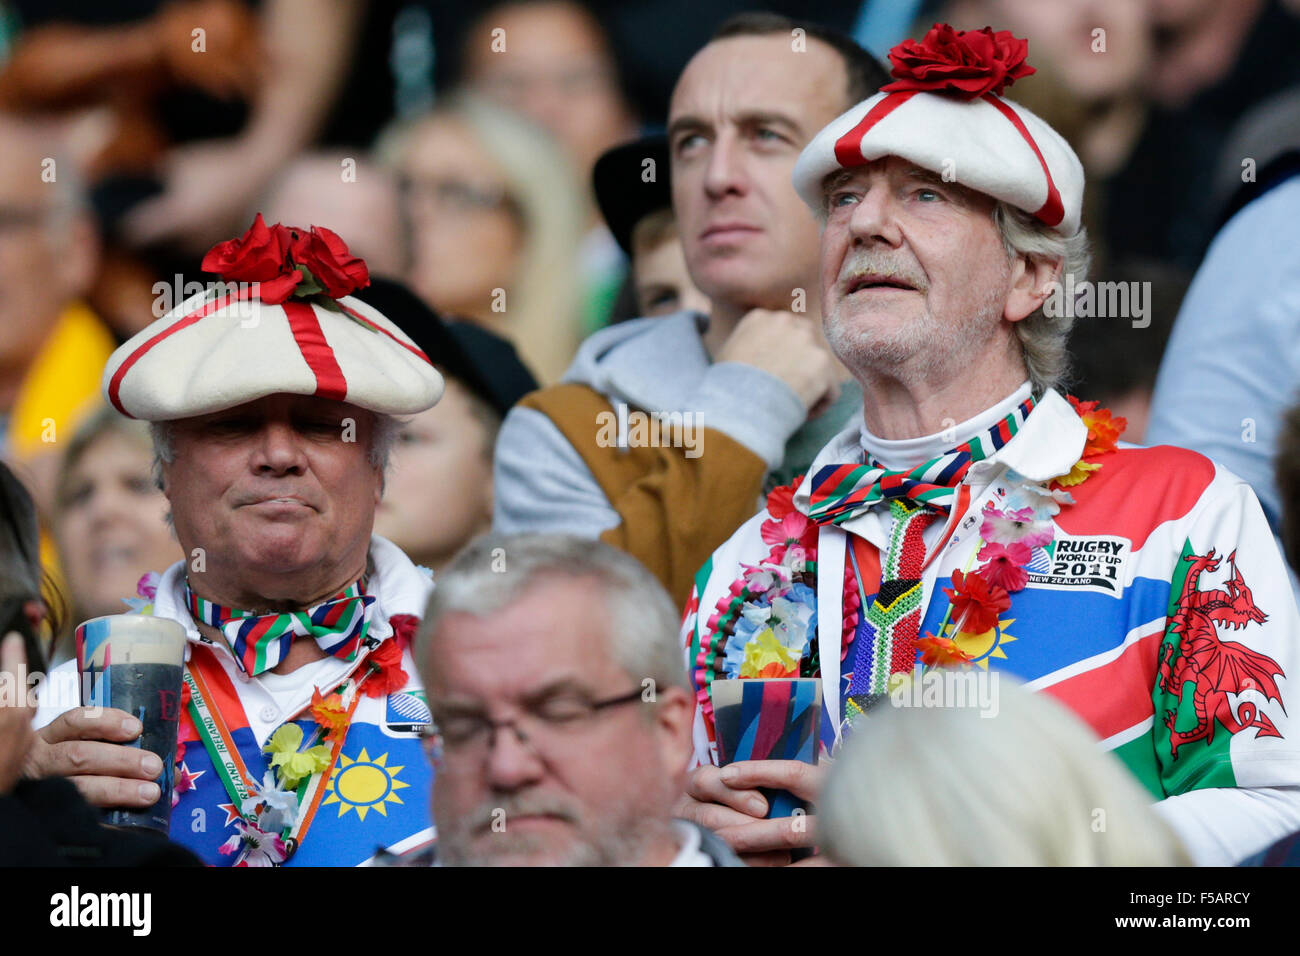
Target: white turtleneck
pixel 901 453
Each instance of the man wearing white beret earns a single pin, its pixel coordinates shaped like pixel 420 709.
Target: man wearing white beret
pixel 975 519
pixel 271 402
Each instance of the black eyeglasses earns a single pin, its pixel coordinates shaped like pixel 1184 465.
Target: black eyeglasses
pixel 548 726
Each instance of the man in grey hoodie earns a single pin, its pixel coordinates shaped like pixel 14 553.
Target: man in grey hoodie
pixel 666 431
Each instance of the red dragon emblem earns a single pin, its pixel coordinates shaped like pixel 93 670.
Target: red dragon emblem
pixel 1218 667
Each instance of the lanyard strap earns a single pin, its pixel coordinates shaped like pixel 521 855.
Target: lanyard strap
pixel 216 737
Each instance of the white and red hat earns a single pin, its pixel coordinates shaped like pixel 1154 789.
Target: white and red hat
pixel 282 322
pixel 944 113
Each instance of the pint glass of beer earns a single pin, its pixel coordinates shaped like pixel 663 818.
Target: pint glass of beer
pixel 133 662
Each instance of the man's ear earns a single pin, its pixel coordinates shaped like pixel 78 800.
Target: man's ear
pixel 674 719
pixel 1031 284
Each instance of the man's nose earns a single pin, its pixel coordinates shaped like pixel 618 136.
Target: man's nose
pixel 512 761
pixel 279 450
pixel 725 172
pixel 875 217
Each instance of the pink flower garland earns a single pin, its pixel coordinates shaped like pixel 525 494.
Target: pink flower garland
pixel 1010 535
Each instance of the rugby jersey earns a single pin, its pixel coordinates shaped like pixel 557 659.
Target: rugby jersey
pixel 1153 531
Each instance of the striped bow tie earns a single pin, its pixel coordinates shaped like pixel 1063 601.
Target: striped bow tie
pixel 260 641
pixel 842 492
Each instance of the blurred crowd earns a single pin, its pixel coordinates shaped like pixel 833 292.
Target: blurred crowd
pixel 504 171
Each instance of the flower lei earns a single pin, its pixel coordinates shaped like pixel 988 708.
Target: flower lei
pixel 766 625
pixel 1009 537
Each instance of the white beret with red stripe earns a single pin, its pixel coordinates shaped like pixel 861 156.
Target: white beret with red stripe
pixel 944 114
pixel 278 334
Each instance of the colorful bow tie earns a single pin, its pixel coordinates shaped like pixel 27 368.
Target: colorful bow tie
pixel 260 641
pixel 842 492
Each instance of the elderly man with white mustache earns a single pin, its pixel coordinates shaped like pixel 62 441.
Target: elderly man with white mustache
pixel 977 518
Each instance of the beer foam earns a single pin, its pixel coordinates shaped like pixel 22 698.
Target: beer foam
pixel 140 639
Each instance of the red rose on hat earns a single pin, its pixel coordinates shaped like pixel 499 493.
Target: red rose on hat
pixel 327 258
pixel 275 257
pixel 965 63
pixel 259 255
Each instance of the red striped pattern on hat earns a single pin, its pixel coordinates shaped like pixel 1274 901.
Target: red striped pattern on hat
pixel 848 148
pixel 317 353
pixel 378 328
pixel 115 383
pixel 1052 210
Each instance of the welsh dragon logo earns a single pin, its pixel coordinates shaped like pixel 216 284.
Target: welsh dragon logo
pixel 1217 667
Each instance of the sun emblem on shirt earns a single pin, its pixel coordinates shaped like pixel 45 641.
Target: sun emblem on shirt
pixel 364 784
pixel 981 647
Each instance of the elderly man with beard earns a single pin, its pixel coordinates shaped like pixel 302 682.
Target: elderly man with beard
pixel 272 400
pixel 975 518
pixel 562 709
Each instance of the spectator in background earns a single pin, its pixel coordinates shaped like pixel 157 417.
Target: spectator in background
pixel 634 191
pixel 1211 63
pixel 1031 784
pixel 495 220
pixel 1116 357
pixel 52 347
pixel 551 61
pixel 1233 361
pixel 759 382
pixel 110 520
pixel 193 106
pixel 558 691
pixel 448 447
pixel 361 199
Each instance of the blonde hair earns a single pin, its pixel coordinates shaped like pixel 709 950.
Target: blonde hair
pixel 544 317
pixel 1022 784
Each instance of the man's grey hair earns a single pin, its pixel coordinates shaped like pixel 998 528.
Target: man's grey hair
pixel 495 571
pixel 1044 338
pixel 384 430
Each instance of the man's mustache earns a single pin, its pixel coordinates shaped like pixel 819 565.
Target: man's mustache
pixel 870 263
pixel 490 811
